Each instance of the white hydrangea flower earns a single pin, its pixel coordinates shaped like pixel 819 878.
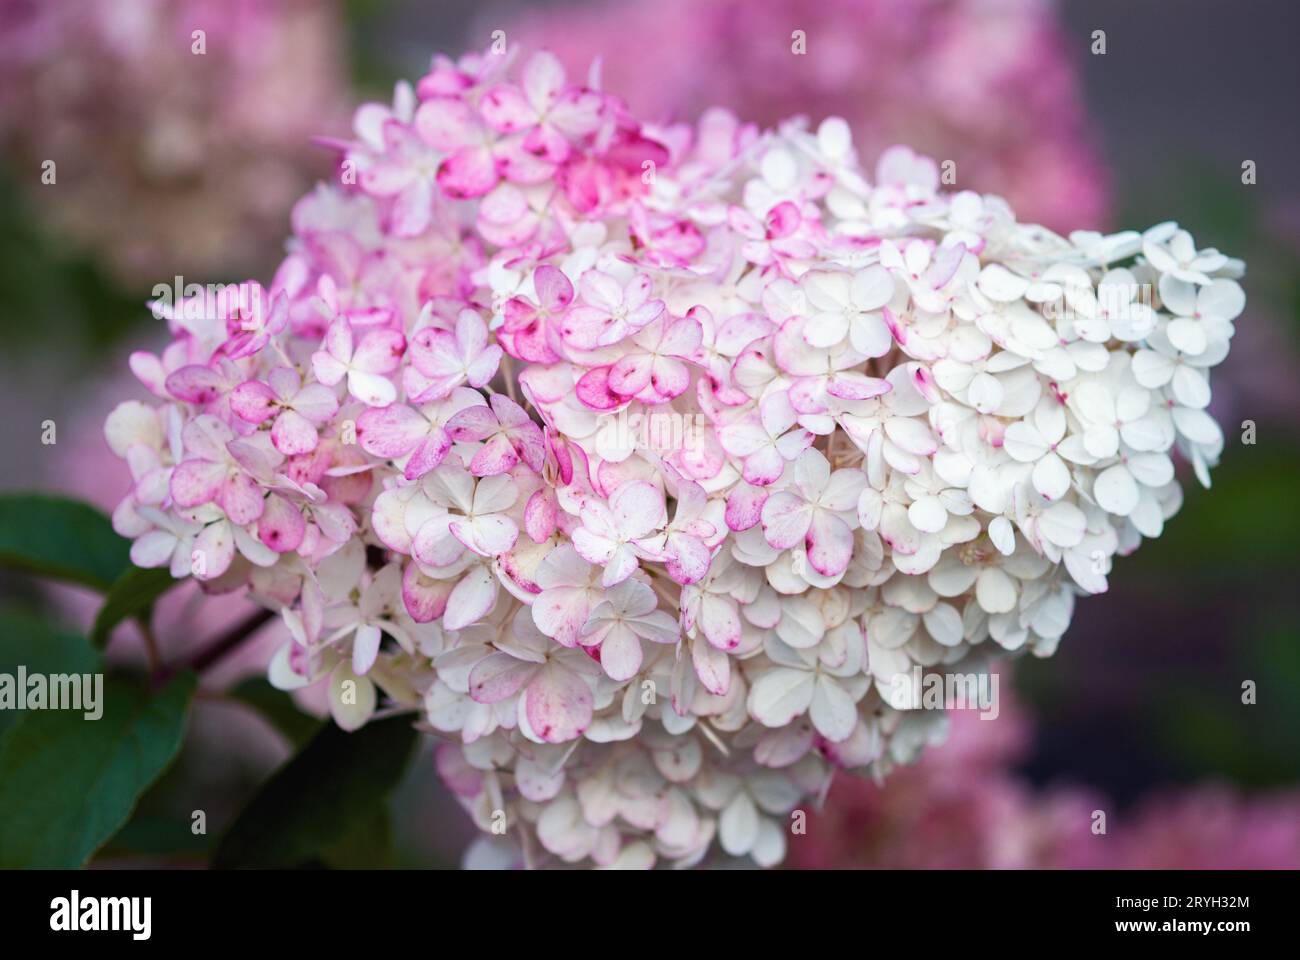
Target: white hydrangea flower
pixel 908 433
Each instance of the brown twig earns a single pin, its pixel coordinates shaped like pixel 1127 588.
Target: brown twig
pixel 150 645
pixel 222 644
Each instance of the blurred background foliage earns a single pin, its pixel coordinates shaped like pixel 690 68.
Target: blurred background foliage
pixel 1145 691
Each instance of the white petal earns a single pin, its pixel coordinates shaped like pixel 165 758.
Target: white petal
pixel 352 698
pixel 928 514
pixel 1095 402
pixel 281 675
pixel 769 848
pixel 1063 524
pixel 365 648
pixel 985 393
pixel 872 288
pixel 1132 403
pixel 943 623
pixel 471 600
pixel 738 825
pixel 1197 425
pixel 1148 433
pixel 1151 469
pixel 1003 536
pixel 371 388
pixel 1190 387
pixel 1051 477
pixel 1023 442
pixel 998 283
pixel 995 591
pixel 1152 369
pixel 832 710
pixel 780 696
pixel 828 330
pixel 1187 335
pixel 1115 490
pixel 154 549
pixel 1221 300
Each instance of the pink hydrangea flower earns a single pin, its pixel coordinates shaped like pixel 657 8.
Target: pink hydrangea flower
pixel 298 410
pixel 363 361
pixel 442 360
pixel 778 436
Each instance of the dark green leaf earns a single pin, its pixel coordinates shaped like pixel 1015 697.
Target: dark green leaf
pixel 172 838
pixel 62 538
pixel 67 784
pixel 278 708
pixel 42 647
pixel 367 844
pixel 338 780
pixel 132 595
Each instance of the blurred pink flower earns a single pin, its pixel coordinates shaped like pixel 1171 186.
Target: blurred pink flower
pixel 962 806
pixel 989 84
pixel 1212 828
pixel 167 160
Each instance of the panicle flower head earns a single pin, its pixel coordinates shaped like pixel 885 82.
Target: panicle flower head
pixel 880 428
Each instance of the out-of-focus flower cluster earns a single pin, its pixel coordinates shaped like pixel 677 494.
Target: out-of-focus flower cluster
pixel 988 84
pixel 179 130
pixel 643 461
pixel 962 806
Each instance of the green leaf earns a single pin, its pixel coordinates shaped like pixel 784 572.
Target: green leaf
pixel 367 844
pixel 170 838
pixel 42 646
pixel 338 780
pixel 29 641
pixel 67 784
pixel 62 538
pixel 278 709
pixel 132 595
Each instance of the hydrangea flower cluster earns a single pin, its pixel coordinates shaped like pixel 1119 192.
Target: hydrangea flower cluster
pixel 640 461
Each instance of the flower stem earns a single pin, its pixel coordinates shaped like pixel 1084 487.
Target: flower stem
pixel 223 643
pixel 150 645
